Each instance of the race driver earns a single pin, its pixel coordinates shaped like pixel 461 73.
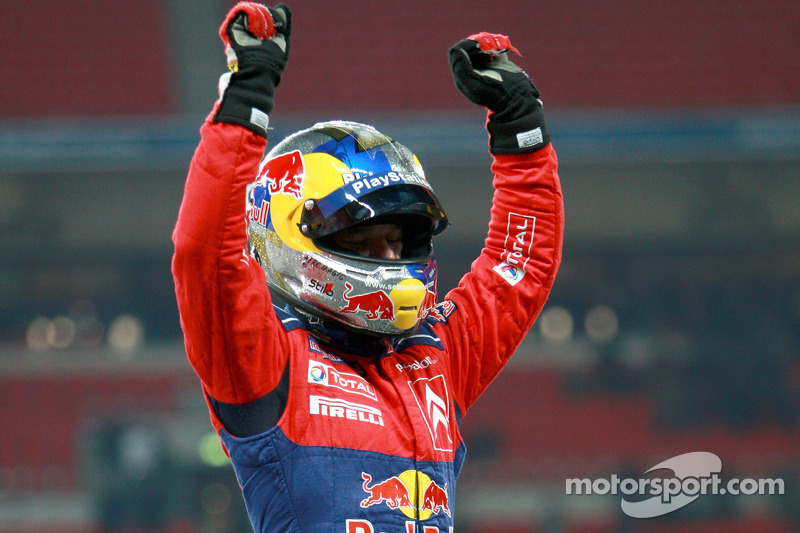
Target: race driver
pixel 306 284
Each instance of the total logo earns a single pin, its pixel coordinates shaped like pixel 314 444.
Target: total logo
pixel 519 239
pixel 326 375
pixel 517 247
pixel 411 492
pixel 510 273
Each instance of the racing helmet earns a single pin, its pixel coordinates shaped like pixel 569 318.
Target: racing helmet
pixel 328 178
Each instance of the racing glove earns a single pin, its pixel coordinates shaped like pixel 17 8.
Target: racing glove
pixel 256 40
pixel 484 74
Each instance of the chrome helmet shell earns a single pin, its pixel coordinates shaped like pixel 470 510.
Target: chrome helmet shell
pixel 325 179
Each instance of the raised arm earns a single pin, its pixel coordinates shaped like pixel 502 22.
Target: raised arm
pixel 224 304
pixel 486 317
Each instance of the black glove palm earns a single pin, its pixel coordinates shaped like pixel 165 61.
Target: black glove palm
pixel 485 75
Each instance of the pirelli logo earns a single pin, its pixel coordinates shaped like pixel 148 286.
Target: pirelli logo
pixel 336 408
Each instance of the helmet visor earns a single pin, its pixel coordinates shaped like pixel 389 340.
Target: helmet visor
pixel 345 207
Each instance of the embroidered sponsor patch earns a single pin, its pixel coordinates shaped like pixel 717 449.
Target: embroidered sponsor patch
pixel 314 346
pixel 442 311
pixel 516 248
pixel 327 376
pixel 337 408
pixel 510 273
pixel 434 404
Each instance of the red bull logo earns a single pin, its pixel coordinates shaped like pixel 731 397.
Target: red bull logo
pixel 285 174
pixel 445 309
pixel 258 214
pixel 376 304
pixel 434 499
pixel 360 525
pixel 392 491
pixel 428 305
pixel 412 492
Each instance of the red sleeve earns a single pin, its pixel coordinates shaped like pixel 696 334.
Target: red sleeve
pixel 497 302
pixel 232 336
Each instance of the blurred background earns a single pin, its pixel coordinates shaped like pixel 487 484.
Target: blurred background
pixel 673 326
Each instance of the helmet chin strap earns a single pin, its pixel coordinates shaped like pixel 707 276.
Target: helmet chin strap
pixel 333 335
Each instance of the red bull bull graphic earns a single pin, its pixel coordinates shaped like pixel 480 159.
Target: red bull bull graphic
pixel 441 312
pixel 444 310
pixel 285 174
pixel 376 304
pixel 392 491
pixel 435 499
pixel 428 305
pixel 412 492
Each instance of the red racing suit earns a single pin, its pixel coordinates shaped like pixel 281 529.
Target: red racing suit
pixel 322 440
